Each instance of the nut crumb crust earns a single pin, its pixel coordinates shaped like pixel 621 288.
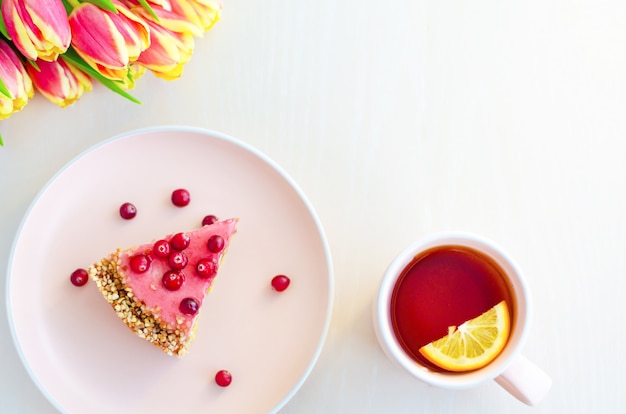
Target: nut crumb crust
pixel 145 322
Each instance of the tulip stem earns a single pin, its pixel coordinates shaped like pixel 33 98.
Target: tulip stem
pixel 4 90
pixel 72 3
pixel 3 26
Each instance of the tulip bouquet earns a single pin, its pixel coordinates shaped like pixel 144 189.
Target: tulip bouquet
pixel 58 47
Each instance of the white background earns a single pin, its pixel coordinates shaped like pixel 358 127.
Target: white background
pixel 399 119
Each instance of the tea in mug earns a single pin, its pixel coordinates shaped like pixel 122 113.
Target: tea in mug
pixel 442 287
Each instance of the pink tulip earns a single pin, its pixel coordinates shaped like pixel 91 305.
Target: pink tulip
pixel 38 28
pixel 171 43
pixel 202 13
pixel 168 52
pixel 15 79
pixel 169 19
pixel 60 82
pixel 134 29
pixel 107 41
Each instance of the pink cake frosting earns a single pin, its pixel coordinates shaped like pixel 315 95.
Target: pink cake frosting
pixel 150 289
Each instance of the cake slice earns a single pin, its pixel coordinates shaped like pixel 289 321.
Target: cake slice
pixel 158 288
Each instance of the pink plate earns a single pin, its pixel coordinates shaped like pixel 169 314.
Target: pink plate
pixel 85 360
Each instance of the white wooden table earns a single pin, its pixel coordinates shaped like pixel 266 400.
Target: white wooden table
pixel 400 119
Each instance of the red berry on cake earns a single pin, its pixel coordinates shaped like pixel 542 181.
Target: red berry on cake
pixel 223 378
pixel 177 260
pixel 189 306
pixel 215 243
pixel 139 263
pixel 173 279
pixel 280 282
pixel 180 241
pixel 79 277
pixel 161 249
pixel 207 220
pixel 128 211
pixel 206 268
pixel 162 304
pixel 180 197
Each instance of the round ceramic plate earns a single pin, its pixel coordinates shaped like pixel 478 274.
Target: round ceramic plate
pixel 85 360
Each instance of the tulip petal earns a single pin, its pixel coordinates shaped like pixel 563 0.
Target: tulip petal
pixel 16 81
pixel 38 28
pixel 133 28
pixel 168 52
pixel 98 41
pixel 59 82
pixel 164 4
pixel 17 30
pixel 169 20
pixel 202 13
pixel 95 35
pixel 50 19
pixel 162 53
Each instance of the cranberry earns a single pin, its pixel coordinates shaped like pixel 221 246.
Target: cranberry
pixel 208 220
pixel 215 243
pixel 161 249
pixel 189 306
pixel 280 282
pixel 180 241
pixel 206 268
pixel 140 263
pixel 223 378
pixel 173 279
pixel 180 197
pixel 79 277
pixel 177 260
pixel 128 211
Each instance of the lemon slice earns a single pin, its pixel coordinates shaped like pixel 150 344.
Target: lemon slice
pixel 472 345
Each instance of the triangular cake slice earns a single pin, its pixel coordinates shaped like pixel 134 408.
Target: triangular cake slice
pixel 158 288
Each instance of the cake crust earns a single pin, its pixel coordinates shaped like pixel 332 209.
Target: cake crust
pixel 145 322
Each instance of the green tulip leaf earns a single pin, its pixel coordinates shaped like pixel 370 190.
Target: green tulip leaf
pixel 4 90
pixel 72 57
pixel 68 6
pixel 103 4
pixel 1 142
pixel 149 9
pixel 3 27
pixel 34 64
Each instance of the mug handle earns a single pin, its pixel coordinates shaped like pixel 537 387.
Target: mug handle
pixel 525 381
